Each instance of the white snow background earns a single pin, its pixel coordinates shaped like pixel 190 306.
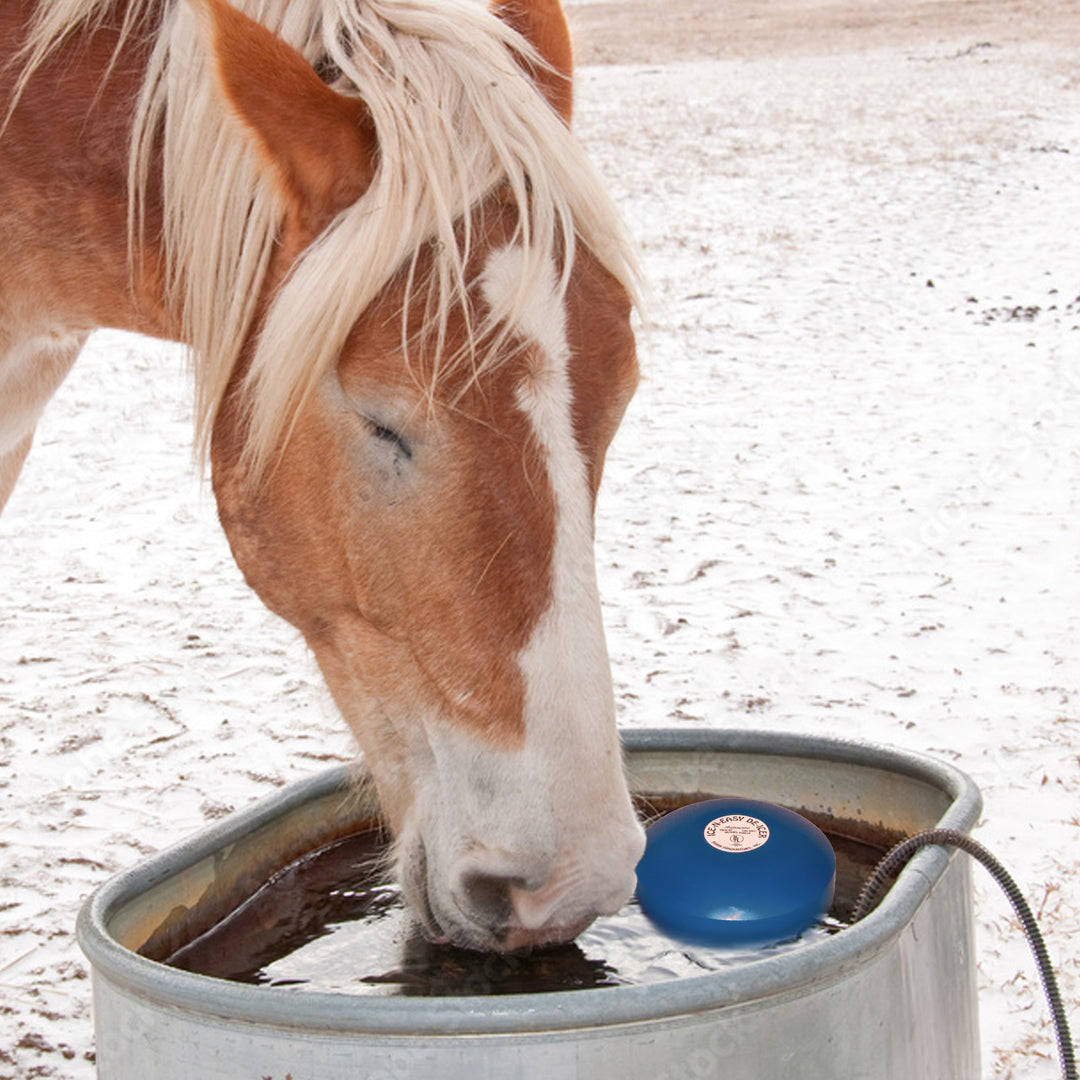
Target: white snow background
pixel 844 502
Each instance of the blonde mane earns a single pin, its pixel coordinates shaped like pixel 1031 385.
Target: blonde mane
pixel 454 114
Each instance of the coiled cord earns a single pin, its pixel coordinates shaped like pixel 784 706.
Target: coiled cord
pixel 903 851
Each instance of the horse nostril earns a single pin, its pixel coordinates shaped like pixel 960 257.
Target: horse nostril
pixel 488 896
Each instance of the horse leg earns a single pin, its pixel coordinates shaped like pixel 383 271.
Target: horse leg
pixel 30 372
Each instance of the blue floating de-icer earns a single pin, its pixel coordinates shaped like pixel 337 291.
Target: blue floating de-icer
pixel 735 871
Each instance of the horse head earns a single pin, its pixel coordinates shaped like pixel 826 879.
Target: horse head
pixel 421 508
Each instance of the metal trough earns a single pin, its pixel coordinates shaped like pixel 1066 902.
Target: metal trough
pixel 891 997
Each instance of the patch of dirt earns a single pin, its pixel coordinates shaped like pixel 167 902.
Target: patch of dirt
pixel 663 31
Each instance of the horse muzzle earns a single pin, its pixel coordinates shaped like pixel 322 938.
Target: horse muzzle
pixel 494 904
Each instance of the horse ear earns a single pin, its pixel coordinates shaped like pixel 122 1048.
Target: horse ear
pixel 542 23
pixel 318 145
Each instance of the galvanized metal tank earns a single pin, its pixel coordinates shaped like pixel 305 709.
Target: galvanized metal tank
pixel 890 998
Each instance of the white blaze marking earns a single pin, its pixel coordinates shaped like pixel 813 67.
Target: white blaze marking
pixel 571 628
pixel 571 745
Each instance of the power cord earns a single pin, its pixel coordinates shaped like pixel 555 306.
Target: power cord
pixel 903 851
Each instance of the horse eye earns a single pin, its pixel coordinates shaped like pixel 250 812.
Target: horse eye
pixel 388 435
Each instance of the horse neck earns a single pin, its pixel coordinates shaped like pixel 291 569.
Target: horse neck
pixel 63 178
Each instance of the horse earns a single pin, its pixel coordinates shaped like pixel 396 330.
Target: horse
pixel 408 302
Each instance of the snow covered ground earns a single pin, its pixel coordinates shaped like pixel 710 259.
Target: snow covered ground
pixel 844 502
